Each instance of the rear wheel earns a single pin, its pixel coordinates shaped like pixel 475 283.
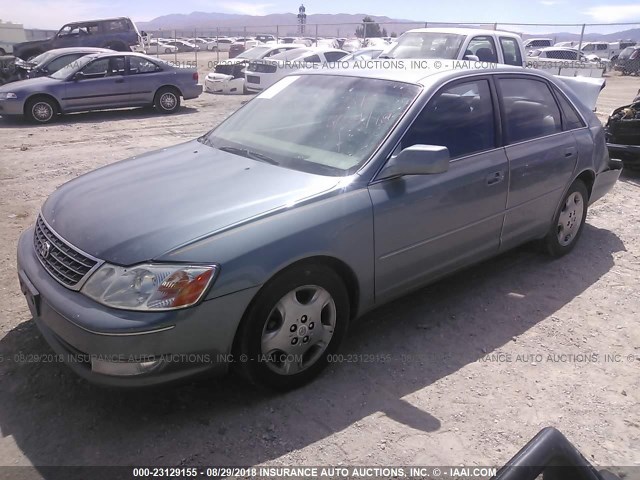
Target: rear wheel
pixel 167 50
pixel 167 100
pixel 568 221
pixel 295 323
pixel 41 110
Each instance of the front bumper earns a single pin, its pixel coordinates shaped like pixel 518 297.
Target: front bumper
pixel 629 154
pixel 225 84
pixel 12 106
pixel 188 342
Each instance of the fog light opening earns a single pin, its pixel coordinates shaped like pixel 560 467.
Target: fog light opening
pixel 124 369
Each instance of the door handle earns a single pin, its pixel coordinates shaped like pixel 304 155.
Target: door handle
pixel 569 152
pixel 119 80
pixel 495 177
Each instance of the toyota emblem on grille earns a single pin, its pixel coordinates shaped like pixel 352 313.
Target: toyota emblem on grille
pixel 45 249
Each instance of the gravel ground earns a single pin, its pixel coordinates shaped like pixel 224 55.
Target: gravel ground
pixel 473 366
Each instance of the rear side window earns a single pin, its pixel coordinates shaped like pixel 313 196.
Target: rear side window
pixel 511 51
pixel 459 118
pixel 141 65
pixel 116 26
pixel 312 59
pixel 571 118
pixel 334 56
pixel 530 110
pixel 562 54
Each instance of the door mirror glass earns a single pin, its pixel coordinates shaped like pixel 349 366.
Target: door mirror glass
pixel 417 160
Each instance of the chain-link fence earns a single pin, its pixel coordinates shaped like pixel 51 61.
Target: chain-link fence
pixel 204 47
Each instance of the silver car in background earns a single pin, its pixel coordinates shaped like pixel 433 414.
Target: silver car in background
pixel 100 81
pixel 327 195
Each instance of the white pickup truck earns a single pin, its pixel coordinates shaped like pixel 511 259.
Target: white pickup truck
pixel 492 46
pixel 488 47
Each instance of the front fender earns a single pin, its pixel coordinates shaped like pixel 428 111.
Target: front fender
pixel 339 225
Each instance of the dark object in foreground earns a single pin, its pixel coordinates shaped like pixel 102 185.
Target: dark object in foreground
pixel 550 453
pixel 622 132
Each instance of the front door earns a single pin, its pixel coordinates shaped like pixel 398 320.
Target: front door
pixel 103 84
pixel 426 225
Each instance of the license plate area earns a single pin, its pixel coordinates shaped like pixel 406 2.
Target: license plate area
pixel 253 79
pixel 30 293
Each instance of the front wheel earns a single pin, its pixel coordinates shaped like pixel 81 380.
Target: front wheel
pixel 167 100
pixel 295 324
pixel 568 221
pixel 41 110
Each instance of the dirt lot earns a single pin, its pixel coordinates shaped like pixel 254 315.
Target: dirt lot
pixel 479 362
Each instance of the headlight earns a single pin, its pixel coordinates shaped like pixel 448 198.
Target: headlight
pixel 4 96
pixel 151 287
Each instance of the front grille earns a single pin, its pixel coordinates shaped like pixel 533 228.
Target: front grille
pixel 62 261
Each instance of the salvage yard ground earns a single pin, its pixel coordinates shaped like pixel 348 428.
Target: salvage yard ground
pixel 462 372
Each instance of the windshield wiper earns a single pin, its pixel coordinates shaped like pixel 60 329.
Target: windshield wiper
pixel 249 154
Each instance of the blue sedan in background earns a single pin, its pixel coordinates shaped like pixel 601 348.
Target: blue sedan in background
pixel 101 81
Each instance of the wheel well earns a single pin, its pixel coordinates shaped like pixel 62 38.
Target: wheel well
pixel 116 45
pixel 342 269
pixel 587 177
pixel 172 87
pixel 41 95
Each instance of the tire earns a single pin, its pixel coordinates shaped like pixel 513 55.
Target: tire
pixel 41 110
pixel 167 50
pixel 292 327
pixel 167 100
pixel 568 222
pixel 2 52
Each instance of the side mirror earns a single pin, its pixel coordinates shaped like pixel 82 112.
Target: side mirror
pixel 78 76
pixel 417 160
pixel 473 58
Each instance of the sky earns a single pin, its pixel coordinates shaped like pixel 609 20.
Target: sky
pixel 52 14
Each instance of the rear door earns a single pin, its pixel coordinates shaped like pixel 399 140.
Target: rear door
pixel 542 156
pixel 103 85
pixel 143 77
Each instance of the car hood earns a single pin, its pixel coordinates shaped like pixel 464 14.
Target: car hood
pixel 30 84
pixel 138 209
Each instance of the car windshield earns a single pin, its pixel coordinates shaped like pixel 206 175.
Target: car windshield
pixel 427 45
pixel 73 67
pixel 626 52
pixel 253 53
pixel 328 125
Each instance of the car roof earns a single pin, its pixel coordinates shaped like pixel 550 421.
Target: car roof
pixel 463 31
pixel 435 71
pixel 566 49
pixel 62 51
pixel 98 20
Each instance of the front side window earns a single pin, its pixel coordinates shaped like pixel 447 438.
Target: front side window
pixel 328 125
pixel 511 51
pixel 459 118
pixel 530 111
pixel 484 48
